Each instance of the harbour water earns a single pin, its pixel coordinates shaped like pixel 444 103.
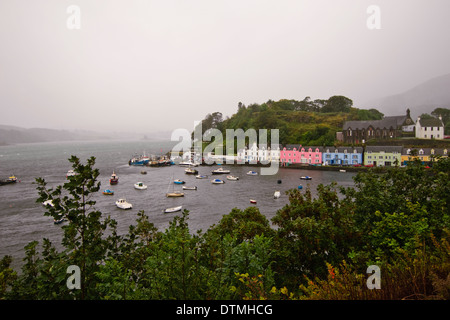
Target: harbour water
pixel 22 219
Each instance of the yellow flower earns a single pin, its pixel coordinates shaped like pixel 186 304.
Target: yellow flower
pixel 284 290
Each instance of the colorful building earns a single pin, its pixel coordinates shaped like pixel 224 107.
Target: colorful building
pixel 383 156
pixel 344 156
pixel 291 154
pixel 424 154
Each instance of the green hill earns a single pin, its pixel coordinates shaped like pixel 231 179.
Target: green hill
pixel 306 122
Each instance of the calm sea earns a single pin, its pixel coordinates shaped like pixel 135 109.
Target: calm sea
pixel 22 219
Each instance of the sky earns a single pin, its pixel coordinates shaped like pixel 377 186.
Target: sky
pixel 147 66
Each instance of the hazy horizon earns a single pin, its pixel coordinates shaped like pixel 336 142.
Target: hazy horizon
pixel 145 66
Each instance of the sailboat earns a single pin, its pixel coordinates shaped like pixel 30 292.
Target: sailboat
pixel 173 193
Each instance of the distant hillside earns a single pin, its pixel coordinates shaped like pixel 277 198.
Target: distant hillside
pixel 306 122
pixel 423 98
pixel 13 135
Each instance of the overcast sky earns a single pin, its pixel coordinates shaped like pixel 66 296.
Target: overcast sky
pixel 158 65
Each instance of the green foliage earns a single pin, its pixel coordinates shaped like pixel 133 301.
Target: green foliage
pixel 319 247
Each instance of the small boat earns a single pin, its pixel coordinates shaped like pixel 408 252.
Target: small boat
pixel 217 181
pixel 48 203
pixel 300 187
pixel 143 172
pixel 276 194
pixel 190 171
pixel 141 160
pixel 174 194
pixel 252 173
pixel 11 179
pixel 279 181
pixel 232 178
pixel 140 186
pixel 305 178
pixel 220 171
pixel 201 176
pixel 178 181
pixel 189 188
pixel 70 173
pixel 108 192
pixel 114 179
pixel 174 209
pixel 188 163
pixel 60 220
pixel 123 204
pixel 252 201
pixel 342 170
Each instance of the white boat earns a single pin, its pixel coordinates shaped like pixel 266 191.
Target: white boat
pixel 232 178
pixel 342 170
pixel 123 204
pixel 217 181
pixel 188 163
pixel 305 178
pixel 201 176
pixel 253 201
pixel 140 186
pixel 172 193
pixel 276 194
pixel 48 203
pixel 252 173
pixel 70 173
pixel 174 209
pixel 189 188
pixel 220 171
pixel 190 171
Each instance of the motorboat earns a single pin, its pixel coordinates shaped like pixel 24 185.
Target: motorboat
pixel 11 179
pixel 221 171
pixel 178 181
pixel 190 171
pixel 60 220
pixel 123 204
pixel 70 173
pixel 114 179
pixel 232 178
pixel 305 178
pixel 217 181
pixel 189 188
pixel 48 203
pixel 252 173
pixel 140 186
pixel 276 194
pixel 174 209
pixel 253 201
pixel 201 176
pixel 108 192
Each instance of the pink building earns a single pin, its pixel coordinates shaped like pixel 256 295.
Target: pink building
pixel 298 154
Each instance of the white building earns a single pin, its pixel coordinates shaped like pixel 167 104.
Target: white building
pixel 430 128
pixel 257 154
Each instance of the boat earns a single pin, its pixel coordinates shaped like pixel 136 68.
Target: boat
pixel 252 173
pixel 188 163
pixel 60 220
pixel 305 178
pixel 108 192
pixel 252 201
pixel 48 203
pixel 220 171
pixel 143 172
pixel 232 178
pixel 114 179
pixel 123 204
pixel 174 209
pixel 276 194
pixel 178 181
pixel 300 187
pixel 11 179
pixel 70 173
pixel 217 181
pixel 201 176
pixel 140 186
pixel 189 188
pixel 142 160
pixel 190 171
pixel 342 170
pixel 172 193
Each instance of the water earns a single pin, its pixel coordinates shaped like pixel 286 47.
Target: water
pixel 22 219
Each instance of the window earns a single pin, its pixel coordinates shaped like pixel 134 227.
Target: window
pixel 421 151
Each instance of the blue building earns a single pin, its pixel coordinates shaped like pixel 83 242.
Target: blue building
pixel 344 156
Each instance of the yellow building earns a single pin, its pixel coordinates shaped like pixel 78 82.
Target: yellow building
pixel 424 154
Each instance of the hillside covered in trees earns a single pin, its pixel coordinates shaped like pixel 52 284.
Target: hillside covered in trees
pixel 306 122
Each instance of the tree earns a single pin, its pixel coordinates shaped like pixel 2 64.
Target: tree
pixel 337 104
pixel 82 238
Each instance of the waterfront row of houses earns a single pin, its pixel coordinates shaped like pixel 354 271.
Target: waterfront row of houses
pixel 343 156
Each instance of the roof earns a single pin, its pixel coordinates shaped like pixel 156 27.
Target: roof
pixel 430 122
pixel 387 149
pixel 426 151
pixel 342 149
pixel 387 122
pixel 299 147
